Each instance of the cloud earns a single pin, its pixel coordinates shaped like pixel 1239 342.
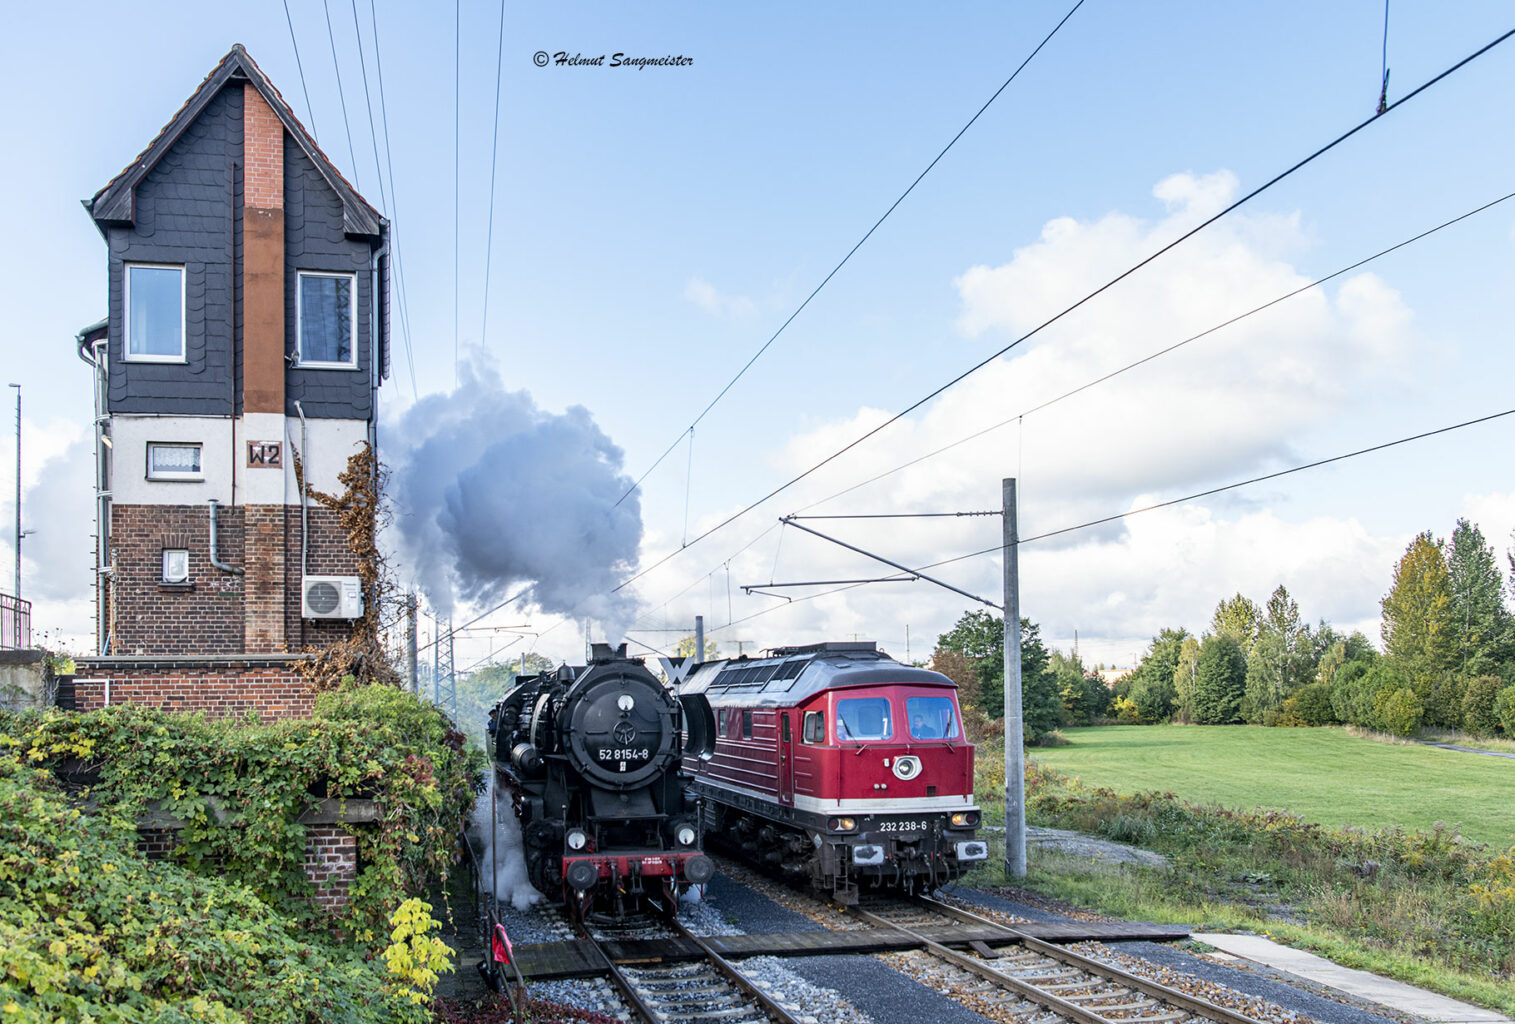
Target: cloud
pixel 57 508
pixel 1227 406
pixel 705 295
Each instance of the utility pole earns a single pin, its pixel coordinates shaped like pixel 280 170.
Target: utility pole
pixel 412 655
pixel 699 639
pixel 17 592
pixel 1015 755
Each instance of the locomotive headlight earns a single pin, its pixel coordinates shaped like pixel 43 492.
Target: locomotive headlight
pixel 625 702
pixel 577 839
pixel 842 824
pixel 685 835
pixel 964 819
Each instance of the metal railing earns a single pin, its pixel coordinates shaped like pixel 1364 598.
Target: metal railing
pixel 15 623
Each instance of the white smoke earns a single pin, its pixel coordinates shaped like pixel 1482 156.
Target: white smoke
pixel 510 885
pixel 492 492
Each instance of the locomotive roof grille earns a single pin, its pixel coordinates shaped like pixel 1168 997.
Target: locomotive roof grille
pixel 793 674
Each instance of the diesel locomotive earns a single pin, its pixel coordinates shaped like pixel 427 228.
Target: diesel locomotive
pixel 592 757
pixel 837 764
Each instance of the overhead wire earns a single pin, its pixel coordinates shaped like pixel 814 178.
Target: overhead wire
pixel 310 113
pixel 341 94
pixel 997 548
pixel 774 337
pixel 384 196
pixel 895 418
pixel 1316 283
pixel 494 154
pixel 394 200
pixel 457 121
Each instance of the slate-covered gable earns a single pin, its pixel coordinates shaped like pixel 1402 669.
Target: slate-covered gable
pixel 186 210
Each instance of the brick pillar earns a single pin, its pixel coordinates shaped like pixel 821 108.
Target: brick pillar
pixel 263 255
pixel 263 346
pixel 263 559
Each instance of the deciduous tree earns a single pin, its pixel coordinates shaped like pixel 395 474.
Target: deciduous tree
pixel 1481 625
pixel 1417 613
pixel 1238 617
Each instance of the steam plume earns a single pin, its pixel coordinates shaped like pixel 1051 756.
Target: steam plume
pixel 492 492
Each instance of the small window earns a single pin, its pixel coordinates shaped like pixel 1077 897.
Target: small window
pixel 173 461
pixel 864 718
pixel 815 727
pixel 785 719
pixel 327 320
pixel 154 313
pixel 746 725
pixel 931 718
pixel 175 565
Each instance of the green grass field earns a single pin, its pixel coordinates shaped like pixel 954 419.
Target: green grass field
pixel 1323 775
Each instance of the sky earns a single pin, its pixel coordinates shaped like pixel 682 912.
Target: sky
pixel 652 228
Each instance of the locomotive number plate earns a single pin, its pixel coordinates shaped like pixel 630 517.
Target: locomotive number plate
pixel 903 826
pixel 617 754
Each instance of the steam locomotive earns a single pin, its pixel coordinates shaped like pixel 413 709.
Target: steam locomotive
pixel 835 763
pixel 591 755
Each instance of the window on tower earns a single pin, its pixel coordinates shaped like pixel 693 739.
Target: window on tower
pixel 327 320
pixel 154 313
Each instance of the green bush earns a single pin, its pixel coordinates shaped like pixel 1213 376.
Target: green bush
pixel 1396 712
pixel 374 742
pixel 1504 707
pixel 1427 894
pixel 1310 706
pixel 1479 716
pixel 91 930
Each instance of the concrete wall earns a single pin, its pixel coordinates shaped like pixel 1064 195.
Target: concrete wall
pixel 22 682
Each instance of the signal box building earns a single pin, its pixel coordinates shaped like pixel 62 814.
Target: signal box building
pixel 248 324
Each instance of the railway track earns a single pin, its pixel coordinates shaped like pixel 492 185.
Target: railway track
pixel 710 990
pixel 1037 981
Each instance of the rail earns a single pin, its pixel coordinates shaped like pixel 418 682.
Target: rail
pixel 15 623
pixel 1046 995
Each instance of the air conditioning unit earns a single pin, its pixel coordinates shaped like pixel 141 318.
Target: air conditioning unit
pixel 331 597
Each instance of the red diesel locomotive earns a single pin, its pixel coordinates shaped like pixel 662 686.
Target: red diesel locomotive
pixel 837 763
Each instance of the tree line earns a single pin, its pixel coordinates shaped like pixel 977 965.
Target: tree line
pixel 1447 661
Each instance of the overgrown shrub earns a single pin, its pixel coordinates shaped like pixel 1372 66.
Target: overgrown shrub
pixel 1479 716
pixel 1310 706
pixel 1504 707
pixel 90 930
pixel 240 788
pixel 1427 894
pixel 1396 712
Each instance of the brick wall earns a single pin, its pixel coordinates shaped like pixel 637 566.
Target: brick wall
pixel 218 612
pixel 331 859
pixel 220 688
pixel 203 616
pixel 331 862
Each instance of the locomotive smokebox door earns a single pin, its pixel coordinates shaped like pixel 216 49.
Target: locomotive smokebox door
pixel 621 738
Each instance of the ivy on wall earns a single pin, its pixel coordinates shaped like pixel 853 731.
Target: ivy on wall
pixel 240 788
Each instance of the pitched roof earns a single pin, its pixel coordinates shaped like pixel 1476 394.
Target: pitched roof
pixel 115 202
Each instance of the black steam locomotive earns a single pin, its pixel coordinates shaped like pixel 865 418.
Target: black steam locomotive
pixel 591 755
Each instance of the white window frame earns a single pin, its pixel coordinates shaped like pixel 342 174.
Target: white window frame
pixel 164 574
pixel 126 319
pixel 172 475
pixel 352 320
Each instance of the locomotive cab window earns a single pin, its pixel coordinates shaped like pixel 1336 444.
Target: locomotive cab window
pixel 931 718
pixel 815 727
pixel 864 718
pixel 746 725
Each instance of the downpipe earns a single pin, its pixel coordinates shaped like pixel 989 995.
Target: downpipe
pixel 215 559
